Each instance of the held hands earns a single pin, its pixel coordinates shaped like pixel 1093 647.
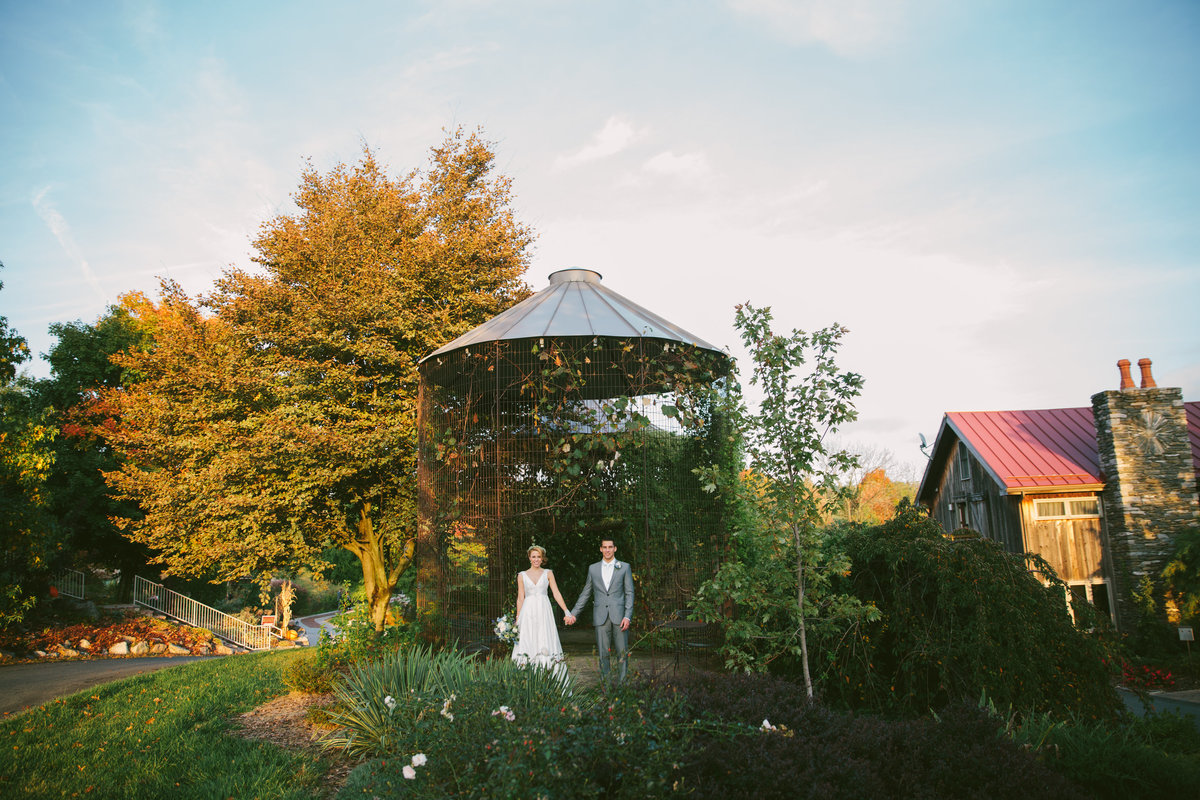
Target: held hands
pixel 569 619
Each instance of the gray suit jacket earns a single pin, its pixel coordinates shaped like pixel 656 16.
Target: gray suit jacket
pixel 615 602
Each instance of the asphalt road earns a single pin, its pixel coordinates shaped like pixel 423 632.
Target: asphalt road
pixel 27 685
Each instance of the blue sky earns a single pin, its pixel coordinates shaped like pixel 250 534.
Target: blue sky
pixel 999 199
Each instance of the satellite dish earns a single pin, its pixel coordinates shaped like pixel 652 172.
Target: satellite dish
pixel 924 445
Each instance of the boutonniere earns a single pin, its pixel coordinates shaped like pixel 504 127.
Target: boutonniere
pixel 617 565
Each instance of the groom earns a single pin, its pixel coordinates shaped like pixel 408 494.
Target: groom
pixel 612 583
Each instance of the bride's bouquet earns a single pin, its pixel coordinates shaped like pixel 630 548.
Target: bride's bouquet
pixel 506 628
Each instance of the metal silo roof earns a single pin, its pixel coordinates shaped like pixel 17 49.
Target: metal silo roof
pixel 575 304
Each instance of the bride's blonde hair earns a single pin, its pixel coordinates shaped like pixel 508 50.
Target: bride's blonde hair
pixel 540 549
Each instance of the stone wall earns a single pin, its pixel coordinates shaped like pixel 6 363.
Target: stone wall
pixel 1150 486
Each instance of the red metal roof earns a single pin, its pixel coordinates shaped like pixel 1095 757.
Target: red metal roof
pixel 1050 448
pixel 1032 449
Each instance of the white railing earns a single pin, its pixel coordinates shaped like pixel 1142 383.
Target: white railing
pixel 159 598
pixel 69 582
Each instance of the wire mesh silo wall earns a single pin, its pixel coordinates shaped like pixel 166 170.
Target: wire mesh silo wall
pixel 563 443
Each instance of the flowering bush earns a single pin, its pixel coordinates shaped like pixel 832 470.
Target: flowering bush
pixel 1145 678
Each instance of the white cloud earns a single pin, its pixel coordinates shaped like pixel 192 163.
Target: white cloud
pixel 616 135
pixel 688 166
pixel 443 61
pixel 847 27
pixel 62 232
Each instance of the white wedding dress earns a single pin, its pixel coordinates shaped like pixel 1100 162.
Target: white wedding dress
pixel 537 639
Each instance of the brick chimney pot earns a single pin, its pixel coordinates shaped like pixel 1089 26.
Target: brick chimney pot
pixel 1147 378
pixel 1126 378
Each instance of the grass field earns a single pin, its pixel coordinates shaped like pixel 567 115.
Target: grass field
pixel 165 734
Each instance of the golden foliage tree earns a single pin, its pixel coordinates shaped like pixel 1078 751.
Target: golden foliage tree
pixel 277 415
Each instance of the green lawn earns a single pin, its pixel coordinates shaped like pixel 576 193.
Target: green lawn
pixel 162 735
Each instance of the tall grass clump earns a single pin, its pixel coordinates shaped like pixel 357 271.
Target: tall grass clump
pixel 386 704
pixel 1154 757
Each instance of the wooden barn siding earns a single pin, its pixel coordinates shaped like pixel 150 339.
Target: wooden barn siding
pixel 992 511
pixel 1074 547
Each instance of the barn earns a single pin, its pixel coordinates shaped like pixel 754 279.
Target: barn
pixel 1098 491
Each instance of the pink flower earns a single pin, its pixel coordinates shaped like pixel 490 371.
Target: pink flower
pixel 409 772
pixel 419 760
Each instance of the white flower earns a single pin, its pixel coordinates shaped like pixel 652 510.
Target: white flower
pixel 419 760
pixel 390 702
pixel 445 712
pixel 767 726
pixel 506 712
pixel 409 773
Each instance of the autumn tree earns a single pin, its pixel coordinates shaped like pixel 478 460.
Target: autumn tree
pixel 276 416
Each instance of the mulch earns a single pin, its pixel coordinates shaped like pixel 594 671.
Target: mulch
pixel 285 722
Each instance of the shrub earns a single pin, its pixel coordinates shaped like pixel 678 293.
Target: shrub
pixel 625 744
pixel 960 618
pixel 1145 678
pixel 316 672
pixel 784 746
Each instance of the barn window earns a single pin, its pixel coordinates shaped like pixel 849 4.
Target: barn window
pixel 1067 508
pixel 964 463
pixel 1094 593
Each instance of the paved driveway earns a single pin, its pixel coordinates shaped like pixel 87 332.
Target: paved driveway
pixel 26 685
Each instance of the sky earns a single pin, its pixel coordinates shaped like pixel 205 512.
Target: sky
pixel 998 199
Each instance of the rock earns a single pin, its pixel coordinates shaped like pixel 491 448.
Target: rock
pixel 302 641
pixel 282 643
pixel 222 650
pixel 86 607
pixel 84 644
pixel 202 650
pixel 176 650
pixel 121 648
pixel 67 652
pixel 139 649
pixel 158 648
pixel 128 639
pixel 41 653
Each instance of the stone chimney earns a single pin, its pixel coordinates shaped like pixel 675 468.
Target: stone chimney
pixel 1150 487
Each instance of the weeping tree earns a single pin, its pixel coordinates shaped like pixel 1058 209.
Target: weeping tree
pixel 276 416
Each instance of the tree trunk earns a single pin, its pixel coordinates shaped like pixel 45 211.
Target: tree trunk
pixel 808 687
pixel 378 580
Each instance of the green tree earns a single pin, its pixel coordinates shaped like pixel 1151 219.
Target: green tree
pixel 1181 575
pixel 277 416
pixel 81 367
pixel 29 544
pixel 792 484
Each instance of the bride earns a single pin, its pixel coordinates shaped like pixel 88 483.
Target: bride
pixel 537 639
